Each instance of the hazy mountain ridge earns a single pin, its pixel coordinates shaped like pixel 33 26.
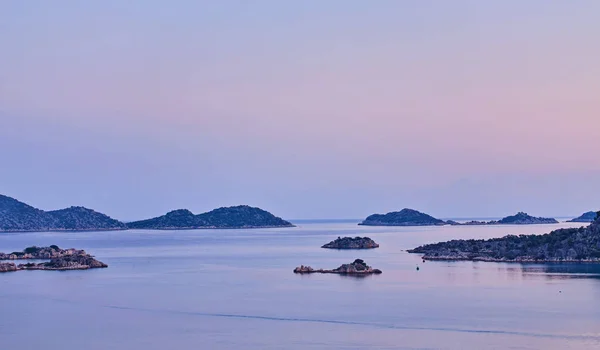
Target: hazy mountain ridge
pixel 405 217
pixel 16 216
pixel 242 216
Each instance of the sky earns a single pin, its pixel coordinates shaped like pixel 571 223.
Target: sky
pixel 308 109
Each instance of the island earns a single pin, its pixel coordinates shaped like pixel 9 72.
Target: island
pixel 357 268
pixel 563 245
pixel 521 218
pixel 16 216
pixel 241 216
pixel 590 216
pixel 352 243
pixel 59 259
pixel 405 217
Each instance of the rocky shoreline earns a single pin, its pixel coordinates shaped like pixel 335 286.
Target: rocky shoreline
pixel 358 267
pixel 60 259
pixel 563 245
pixel 352 243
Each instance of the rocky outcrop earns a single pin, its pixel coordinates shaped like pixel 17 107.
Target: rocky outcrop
pixel 405 217
pixel 242 216
pixel 60 259
pixel 563 245
pixel 358 267
pixel 8 267
pixel 352 243
pixel 520 218
pixel 590 216
pixel 16 216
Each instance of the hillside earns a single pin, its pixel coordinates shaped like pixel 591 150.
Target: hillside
pixel 242 216
pixel 405 217
pixel 573 244
pixel 16 216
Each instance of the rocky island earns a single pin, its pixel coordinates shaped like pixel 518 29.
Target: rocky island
pixel 241 216
pixel 563 245
pixel 352 243
pixel 16 216
pixel 590 216
pixel 405 217
pixel 60 259
pixel 520 218
pixel 357 268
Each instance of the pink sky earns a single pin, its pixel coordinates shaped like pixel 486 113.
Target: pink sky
pixel 359 107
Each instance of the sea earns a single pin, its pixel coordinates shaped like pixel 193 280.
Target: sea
pixel 235 289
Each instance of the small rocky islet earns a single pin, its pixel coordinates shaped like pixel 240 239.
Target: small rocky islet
pixel 60 259
pixel 351 243
pixel 564 245
pixel 356 268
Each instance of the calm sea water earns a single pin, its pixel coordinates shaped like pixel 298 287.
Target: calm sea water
pixel 234 289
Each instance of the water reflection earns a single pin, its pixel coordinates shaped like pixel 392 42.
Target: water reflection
pixel 552 271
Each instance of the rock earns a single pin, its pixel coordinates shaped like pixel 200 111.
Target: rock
pixel 405 217
pixel 8 267
pixel 60 259
pixel 352 243
pixel 241 216
pixel 358 267
pixel 563 245
pixel 590 216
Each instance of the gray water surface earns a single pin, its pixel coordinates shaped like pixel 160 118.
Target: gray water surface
pixel 234 289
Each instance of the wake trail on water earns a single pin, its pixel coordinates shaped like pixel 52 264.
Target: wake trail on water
pixel 587 337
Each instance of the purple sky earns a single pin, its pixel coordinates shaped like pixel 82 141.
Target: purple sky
pixel 309 109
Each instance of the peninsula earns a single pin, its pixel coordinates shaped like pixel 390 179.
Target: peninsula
pixel 241 216
pixel 586 217
pixel 352 243
pixel 563 245
pixel 60 259
pixel 405 217
pixel 357 268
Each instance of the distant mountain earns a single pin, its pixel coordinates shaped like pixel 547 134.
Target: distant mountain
pixel 590 216
pixel 242 216
pixel 405 217
pixel 16 216
pixel 522 218
pixel 83 219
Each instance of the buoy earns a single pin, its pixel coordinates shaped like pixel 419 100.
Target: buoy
pixel 417 268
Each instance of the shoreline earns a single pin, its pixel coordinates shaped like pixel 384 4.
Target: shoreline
pixel 149 229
